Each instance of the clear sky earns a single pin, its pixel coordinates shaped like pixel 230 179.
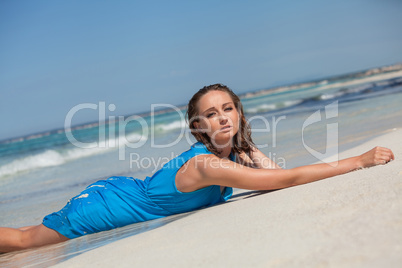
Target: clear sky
pixel 55 55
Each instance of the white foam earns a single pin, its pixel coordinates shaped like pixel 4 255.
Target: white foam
pixel 51 158
pixel 261 108
pixel 77 153
pixel 270 107
pixel 131 138
pixel 291 103
pixel 170 126
pixel 48 158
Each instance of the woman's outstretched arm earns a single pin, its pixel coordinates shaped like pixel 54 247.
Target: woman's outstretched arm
pixel 217 171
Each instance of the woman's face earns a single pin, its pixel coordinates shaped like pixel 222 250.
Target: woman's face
pixel 218 117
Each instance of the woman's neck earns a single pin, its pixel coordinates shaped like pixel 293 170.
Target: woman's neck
pixel 225 152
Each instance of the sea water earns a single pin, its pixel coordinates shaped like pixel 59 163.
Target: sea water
pixel 295 125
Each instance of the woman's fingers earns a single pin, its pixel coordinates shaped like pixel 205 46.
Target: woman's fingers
pixel 389 154
pixel 383 155
pixel 392 155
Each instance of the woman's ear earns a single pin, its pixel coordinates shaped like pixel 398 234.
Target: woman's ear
pixel 198 127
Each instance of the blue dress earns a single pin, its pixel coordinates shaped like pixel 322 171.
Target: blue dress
pixel 119 201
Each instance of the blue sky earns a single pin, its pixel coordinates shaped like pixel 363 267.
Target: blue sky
pixel 55 55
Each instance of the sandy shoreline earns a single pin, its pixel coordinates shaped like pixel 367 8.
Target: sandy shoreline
pixel 352 220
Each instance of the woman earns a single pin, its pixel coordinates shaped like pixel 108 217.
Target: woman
pixel 223 157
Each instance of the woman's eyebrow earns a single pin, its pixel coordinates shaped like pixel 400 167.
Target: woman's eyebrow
pixel 212 108
pixel 230 102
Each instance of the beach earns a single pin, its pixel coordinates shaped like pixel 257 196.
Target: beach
pixel 351 220
pixel 40 173
pixel 97 104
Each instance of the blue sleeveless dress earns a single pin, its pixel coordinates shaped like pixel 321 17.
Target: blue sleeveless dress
pixel 119 201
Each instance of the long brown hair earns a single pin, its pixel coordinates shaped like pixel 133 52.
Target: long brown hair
pixel 242 141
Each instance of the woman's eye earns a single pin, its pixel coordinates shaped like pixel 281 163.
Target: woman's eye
pixel 229 109
pixel 209 115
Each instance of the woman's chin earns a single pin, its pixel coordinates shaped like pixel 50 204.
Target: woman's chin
pixel 223 141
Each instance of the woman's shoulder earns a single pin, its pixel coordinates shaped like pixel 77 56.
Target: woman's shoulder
pixel 195 149
pixel 199 148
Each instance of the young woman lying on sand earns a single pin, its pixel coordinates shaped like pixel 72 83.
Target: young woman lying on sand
pixel 223 157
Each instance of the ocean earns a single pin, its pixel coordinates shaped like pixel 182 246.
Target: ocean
pixel 293 125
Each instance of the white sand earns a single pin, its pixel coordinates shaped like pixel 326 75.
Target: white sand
pixel 353 220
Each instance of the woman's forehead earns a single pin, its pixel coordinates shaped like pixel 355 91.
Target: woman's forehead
pixel 215 98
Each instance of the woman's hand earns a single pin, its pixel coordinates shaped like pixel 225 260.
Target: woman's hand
pixel 376 156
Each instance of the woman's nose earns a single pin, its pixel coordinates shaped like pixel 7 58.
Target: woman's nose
pixel 223 119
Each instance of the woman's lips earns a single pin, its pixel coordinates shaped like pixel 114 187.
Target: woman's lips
pixel 226 128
